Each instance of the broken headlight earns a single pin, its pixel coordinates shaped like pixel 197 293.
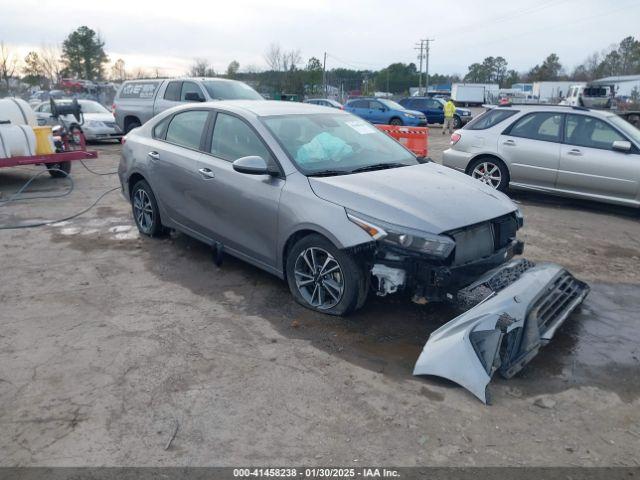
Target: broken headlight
pixel 519 218
pixel 429 244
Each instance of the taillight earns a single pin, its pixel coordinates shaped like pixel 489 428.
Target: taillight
pixel 455 137
pixel 123 140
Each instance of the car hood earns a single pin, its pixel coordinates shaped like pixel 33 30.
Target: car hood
pixel 417 113
pixel 98 117
pixel 426 197
pixel 463 110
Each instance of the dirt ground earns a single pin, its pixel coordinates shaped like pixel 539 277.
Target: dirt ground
pixel 111 343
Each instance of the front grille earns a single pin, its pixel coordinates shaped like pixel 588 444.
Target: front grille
pixel 504 231
pixel 557 302
pixel 473 243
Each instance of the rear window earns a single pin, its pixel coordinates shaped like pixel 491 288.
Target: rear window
pixel 489 119
pixel 138 90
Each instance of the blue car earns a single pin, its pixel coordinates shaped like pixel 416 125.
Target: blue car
pixel 433 109
pixel 385 112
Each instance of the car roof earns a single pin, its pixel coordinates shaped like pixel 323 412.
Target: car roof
pixel 555 108
pixel 266 108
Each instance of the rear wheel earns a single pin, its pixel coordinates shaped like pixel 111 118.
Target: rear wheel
pixel 59 170
pixel 131 124
pixel 145 209
pixel 491 171
pixel 323 278
pixel 396 122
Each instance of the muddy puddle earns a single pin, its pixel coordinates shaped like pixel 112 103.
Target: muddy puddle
pixel 599 345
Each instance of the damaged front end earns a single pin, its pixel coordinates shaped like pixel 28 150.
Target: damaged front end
pixel 521 307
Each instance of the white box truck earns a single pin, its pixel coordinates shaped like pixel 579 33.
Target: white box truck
pixel 473 93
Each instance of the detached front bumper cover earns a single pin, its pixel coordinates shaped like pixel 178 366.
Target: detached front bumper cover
pixel 523 306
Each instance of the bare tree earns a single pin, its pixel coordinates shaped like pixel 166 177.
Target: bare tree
pixel 118 71
pixel 290 60
pixel 50 60
pixel 274 57
pixel 201 68
pixel 8 63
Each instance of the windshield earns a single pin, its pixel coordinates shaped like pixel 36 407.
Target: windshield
pixel 337 143
pixel 224 90
pixel 92 107
pixel 629 130
pixel 391 104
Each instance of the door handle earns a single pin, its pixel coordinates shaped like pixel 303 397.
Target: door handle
pixel 574 151
pixel 206 173
pixel 154 155
pixel 509 143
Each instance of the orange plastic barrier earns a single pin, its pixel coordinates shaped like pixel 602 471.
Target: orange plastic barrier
pixel 415 139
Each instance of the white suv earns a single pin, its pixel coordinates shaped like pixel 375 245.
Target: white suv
pixel 570 151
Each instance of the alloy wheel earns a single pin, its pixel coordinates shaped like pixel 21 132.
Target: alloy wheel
pixel 489 173
pixel 319 278
pixel 143 211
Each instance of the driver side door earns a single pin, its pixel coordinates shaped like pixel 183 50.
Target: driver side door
pixel 239 210
pixel 377 112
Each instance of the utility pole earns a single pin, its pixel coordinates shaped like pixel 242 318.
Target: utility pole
pixel 324 74
pixel 426 69
pixel 420 46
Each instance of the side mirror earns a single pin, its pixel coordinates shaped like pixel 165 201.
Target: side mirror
pixel 621 146
pixel 252 165
pixel 193 97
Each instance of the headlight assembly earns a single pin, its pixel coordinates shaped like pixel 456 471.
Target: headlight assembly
pixel 94 124
pixel 409 115
pixel 438 246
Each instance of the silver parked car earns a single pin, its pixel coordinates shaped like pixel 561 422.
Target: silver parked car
pixel 569 151
pixel 98 122
pixel 139 100
pixel 326 201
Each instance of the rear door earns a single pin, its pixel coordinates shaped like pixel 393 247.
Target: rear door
pixel 531 148
pixel 237 209
pixel 359 108
pixel 589 165
pixel 174 164
pixel 168 97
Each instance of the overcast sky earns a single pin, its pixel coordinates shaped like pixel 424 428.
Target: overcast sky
pixel 354 33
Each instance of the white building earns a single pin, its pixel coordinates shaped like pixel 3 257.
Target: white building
pixel 624 84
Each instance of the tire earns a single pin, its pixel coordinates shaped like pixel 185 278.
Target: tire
pixel 339 292
pixel 145 210
pixel 396 122
pixel 64 166
pixel 497 173
pixel 457 123
pixel 130 125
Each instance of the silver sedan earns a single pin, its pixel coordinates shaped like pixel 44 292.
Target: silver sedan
pixel 568 151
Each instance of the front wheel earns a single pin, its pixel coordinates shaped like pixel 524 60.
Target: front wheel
pixel 396 122
pixel 323 278
pixel 491 171
pixel 457 123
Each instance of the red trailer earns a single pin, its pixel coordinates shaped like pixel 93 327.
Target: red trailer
pixel 69 147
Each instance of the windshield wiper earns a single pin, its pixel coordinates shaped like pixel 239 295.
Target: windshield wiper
pixel 378 166
pixel 328 173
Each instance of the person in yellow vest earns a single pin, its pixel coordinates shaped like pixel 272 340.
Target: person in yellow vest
pixel 449 111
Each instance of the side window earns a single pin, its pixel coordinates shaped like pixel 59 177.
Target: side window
pixel 233 139
pixel 45 108
pixel 585 131
pixel 538 126
pixel 190 87
pixel 434 104
pixel 173 91
pixel 373 105
pixel 360 104
pixel 409 103
pixel 160 128
pixel 489 119
pixel 186 128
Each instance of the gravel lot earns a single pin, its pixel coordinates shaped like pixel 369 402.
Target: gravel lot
pixel 109 342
